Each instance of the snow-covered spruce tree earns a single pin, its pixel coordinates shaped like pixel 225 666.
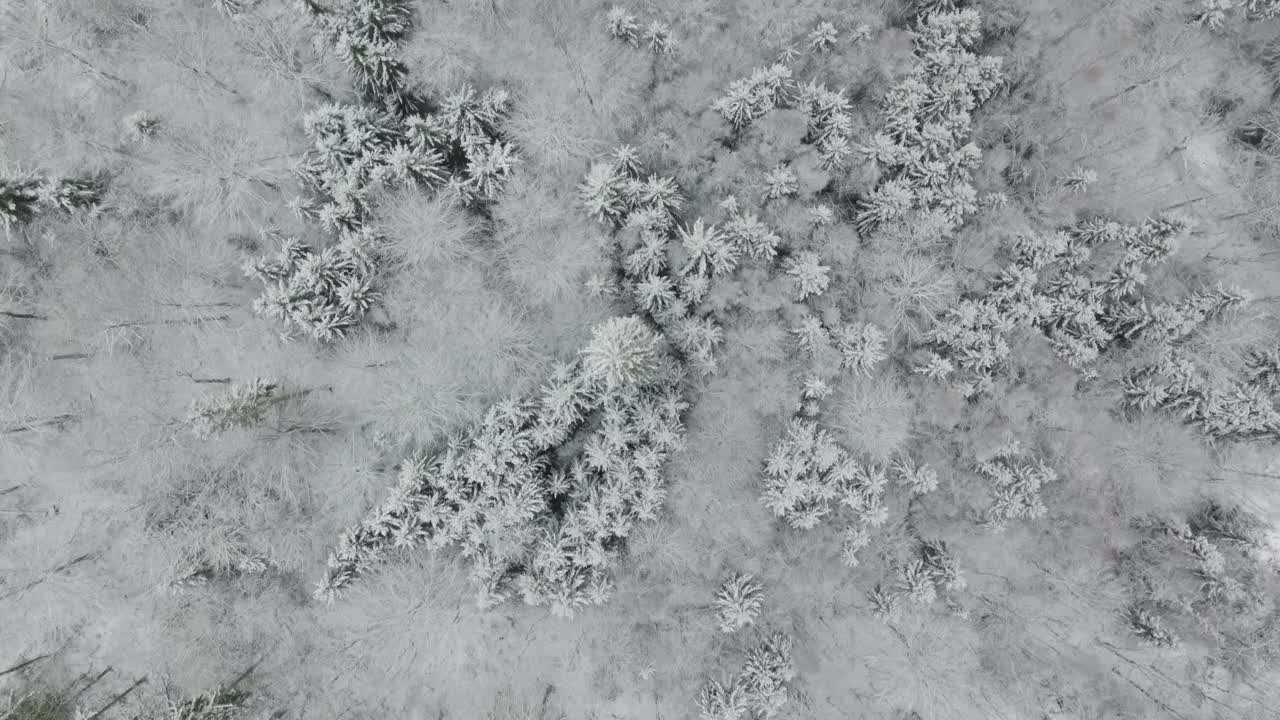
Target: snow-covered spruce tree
pixel 720 700
pixel 323 293
pixel 862 347
pixel 738 602
pixel 1149 627
pixel 1170 322
pixel 829 122
pixel 19 200
pixel 1078 180
pixel 1016 484
pixel 917 479
pixel 780 183
pixel 1262 369
pixel 748 99
pixel 767 674
pixel 916 583
pixel 884 603
pixel 243 405
pixel 366 34
pixel 603 193
pixel 659 39
pixel 809 277
pixel 355 148
pixel 811 335
pixel 932 572
pixel 924 147
pixel 822 216
pixel 921 8
pixel 814 391
pixel 22 197
pixel 623 350
pixel 623 25
pixel 942 565
pixel 710 252
pixel 823 37
pixel 756 240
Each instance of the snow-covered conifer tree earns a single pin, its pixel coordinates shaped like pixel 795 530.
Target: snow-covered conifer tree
pixel 243 405
pixel 738 602
pixel 809 276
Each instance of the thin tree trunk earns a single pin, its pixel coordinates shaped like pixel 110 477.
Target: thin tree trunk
pixel 115 700
pixel 1159 703
pixel 64 566
pixel 23 664
pixel 170 321
pixel 28 426
pixel 240 678
pixel 209 76
pixel 78 58
pixel 83 690
pixel 1184 203
pixel 1134 86
pixel 197 305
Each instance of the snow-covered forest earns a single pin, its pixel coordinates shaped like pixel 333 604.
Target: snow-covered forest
pixel 647 359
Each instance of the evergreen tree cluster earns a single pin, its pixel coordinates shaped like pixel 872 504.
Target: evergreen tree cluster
pixel 1201 573
pixel 656 36
pixel 532 524
pixel 759 691
pixel 861 347
pixel 1015 485
pixel 321 293
pixel 828 114
pixel 1081 288
pixel 1223 408
pixel 1214 14
pixel 22 197
pixel 666 266
pixel 366 35
pixel 354 150
pixel 932 572
pixel 808 476
pixel 924 149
